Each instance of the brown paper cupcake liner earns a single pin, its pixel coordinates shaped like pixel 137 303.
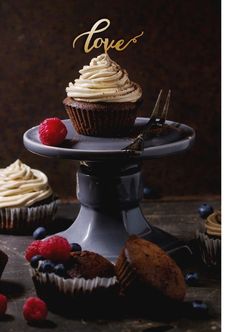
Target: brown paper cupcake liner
pixel 210 249
pixel 23 220
pixel 102 123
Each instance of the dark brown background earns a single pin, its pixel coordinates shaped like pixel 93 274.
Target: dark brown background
pixel 180 50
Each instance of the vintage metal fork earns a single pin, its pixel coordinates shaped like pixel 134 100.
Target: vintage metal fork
pixel 138 142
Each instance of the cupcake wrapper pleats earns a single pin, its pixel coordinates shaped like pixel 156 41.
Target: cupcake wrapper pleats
pixel 102 123
pixel 25 219
pixel 210 249
pixel 73 286
pixel 125 274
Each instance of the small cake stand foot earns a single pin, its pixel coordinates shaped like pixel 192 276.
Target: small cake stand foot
pixel 110 194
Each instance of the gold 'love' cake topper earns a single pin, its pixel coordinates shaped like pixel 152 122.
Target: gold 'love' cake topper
pixel 119 45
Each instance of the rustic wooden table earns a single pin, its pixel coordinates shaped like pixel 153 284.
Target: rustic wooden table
pixel 178 217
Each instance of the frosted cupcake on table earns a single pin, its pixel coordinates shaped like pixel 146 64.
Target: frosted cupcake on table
pixel 210 240
pixel 103 101
pixel 26 199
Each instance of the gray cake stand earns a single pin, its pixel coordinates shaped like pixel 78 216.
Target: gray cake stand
pixel 109 186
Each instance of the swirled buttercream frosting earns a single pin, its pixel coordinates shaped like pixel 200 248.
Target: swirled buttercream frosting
pixel 103 80
pixel 213 224
pixel 21 186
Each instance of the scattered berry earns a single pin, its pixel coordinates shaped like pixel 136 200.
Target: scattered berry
pixel 32 250
pixel 196 309
pixel 60 270
pixel 205 210
pixel 199 307
pixel 148 192
pixel 75 247
pixel 34 309
pixel 46 266
pixel 52 131
pixel 3 304
pixel 40 233
pixel 55 248
pixel 191 278
pixel 34 262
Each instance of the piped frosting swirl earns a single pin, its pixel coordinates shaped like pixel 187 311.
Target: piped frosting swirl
pixel 21 185
pixel 103 80
pixel 213 224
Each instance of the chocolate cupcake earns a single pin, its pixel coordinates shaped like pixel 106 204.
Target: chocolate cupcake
pixel 26 199
pixel 90 265
pixel 79 283
pixel 143 267
pixel 103 101
pixel 3 261
pixel 209 239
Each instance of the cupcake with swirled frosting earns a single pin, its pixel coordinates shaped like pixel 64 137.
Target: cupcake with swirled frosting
pixel 26 199
pixel 103 101
pixel 210 240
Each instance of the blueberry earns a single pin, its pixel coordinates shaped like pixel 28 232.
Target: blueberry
pixel 191 278
pixel 199 307
pixel 196 309
pixel 148 192
pixel 60 270
pixel 47 266
pixel 205 210
pixel 34 262
pixel 40 233
pixel 75 247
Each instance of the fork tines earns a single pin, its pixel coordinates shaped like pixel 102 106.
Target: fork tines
pixel 165 110
pixel 138 142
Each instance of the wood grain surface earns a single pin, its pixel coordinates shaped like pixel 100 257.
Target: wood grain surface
pixel 179 218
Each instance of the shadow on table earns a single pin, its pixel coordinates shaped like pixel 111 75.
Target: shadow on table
pixel 105 308
pixel 7 318
pixel 44 324
pixel 59 224
pixel 11 289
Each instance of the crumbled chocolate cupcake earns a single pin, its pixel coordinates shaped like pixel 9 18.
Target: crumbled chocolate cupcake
pixel 89 265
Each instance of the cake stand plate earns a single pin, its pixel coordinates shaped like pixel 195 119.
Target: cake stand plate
pixel 109 186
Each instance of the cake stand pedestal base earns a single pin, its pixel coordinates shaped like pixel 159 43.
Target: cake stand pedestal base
pixel 110 195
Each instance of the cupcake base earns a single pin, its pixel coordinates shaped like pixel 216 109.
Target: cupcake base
pixel 101 119
pixel 24 220
pixel 70 297
pixel 210 249
pixel 107 303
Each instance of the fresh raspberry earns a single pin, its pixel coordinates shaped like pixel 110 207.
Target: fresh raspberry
pixel 56 248
pixel 3 304
pixel 52 131
pixel 34 309
pixel 33 249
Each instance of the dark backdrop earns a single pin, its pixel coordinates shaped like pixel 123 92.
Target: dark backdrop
pixel 180 50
